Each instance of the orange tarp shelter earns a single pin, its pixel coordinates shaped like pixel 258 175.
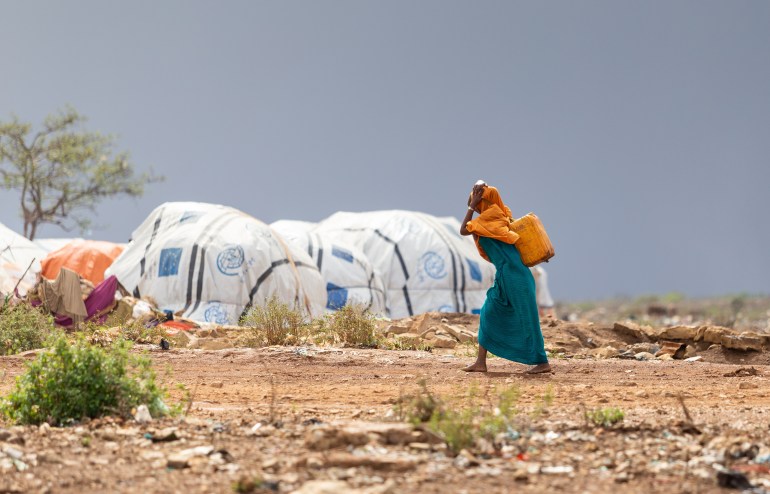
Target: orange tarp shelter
pixel 88 258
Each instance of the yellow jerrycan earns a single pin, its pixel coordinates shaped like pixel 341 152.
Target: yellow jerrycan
pixel 533 244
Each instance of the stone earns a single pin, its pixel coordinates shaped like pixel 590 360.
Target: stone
pixel 645 347
pixel 635 331
pixel 744 342
pixel 165 435
pixel 443 341
pixel 679 333
pixel 675 349
pixel 605 352
pixel 459 333
pixel 747 385
pixel 325 487
pixel 421 323
pixel 665 357
pixel 217 384
pixel 644 356
pixel 182 458
pixel 381 463
pixel 521 475
pixel 394 329
pixel 713 334
pixel 328 437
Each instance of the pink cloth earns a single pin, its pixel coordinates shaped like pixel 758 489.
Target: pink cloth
pixel 100 299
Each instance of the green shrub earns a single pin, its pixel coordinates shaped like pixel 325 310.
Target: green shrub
pixel 605 417
pixel 274 323
pixel 460 422
pixel 71 381
pixel 352 325
pixel 23 327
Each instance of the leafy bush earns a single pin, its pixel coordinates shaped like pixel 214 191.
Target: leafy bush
pixel 71 381
pixel 23 327
pixel 605 417
pixel 351 325
pixel 461 422
pixel 274 323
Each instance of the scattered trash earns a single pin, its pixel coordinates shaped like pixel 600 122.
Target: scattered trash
pixel 142 414
pixel 555 470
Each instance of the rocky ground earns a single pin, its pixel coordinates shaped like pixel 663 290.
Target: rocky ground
pixel 309 419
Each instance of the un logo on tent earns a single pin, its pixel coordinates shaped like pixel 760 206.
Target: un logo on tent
pixel 230 259
pixel 433 264
pixel 216 314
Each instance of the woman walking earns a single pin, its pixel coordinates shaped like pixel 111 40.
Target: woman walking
pixel 509 325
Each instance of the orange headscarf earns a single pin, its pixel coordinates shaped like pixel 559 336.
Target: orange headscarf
pixel 493 221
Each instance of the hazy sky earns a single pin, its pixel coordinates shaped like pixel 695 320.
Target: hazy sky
pixel 639 132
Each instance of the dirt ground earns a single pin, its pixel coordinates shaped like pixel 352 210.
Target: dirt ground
pixel 293 418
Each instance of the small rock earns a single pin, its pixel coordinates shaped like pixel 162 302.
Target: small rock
pixel 747 385
pixel 693 359
pixel 679 333
pixel 421 446
pixel 325 487
pixel 465 459
pixel 165 435
pixel 644 356
pixel 217 384
pixel 605 352
pixel 182 458
pixel 622 477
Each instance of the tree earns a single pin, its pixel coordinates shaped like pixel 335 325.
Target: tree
pixel 63 171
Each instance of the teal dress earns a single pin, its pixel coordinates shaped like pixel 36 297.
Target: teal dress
pixel 510 324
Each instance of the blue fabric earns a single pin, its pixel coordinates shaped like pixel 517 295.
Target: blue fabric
pixel 509 323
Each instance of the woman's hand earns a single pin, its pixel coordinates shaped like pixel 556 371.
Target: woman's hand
pixel 476 195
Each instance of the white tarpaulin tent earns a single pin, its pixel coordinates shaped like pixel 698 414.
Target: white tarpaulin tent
pixel 424 261
pixel 211 262
pixel 16 254
pixel 349 276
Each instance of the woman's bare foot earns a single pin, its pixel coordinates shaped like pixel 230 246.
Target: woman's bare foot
pixel 540 369
pixel 476 367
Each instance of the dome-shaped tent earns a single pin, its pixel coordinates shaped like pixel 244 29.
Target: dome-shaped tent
pixel 426 265
pixel 210 262
pixel 88 258
pixel 16 255
pixel 52 244
pixel 350 277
